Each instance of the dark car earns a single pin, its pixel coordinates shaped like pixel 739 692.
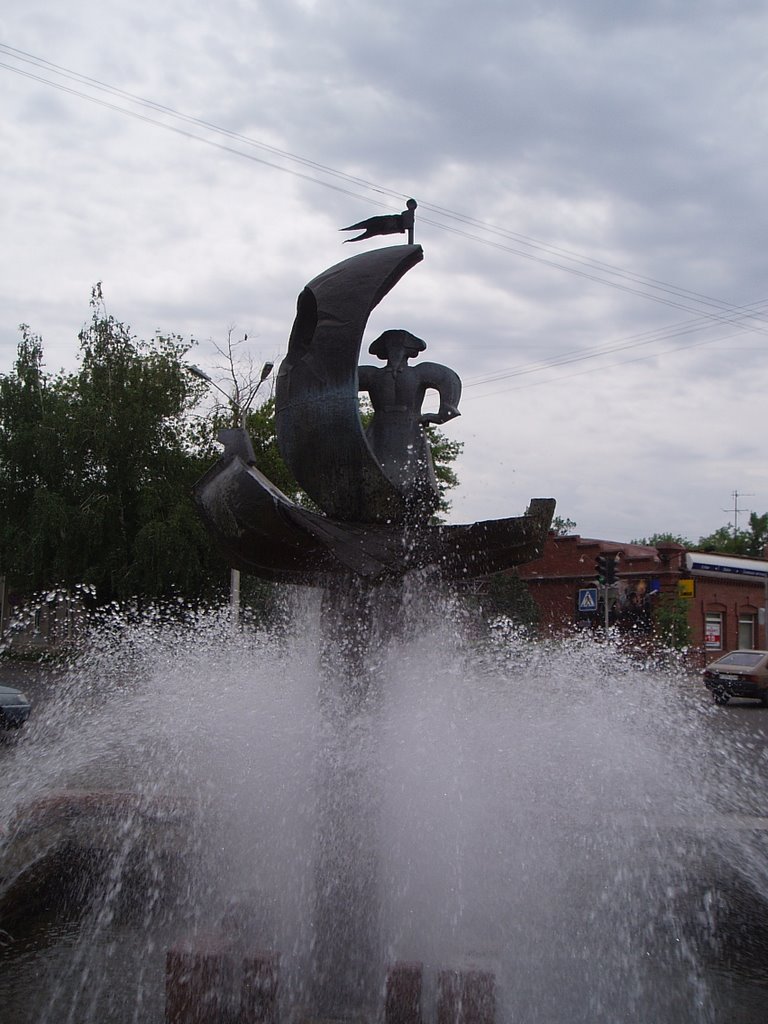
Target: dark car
pixel 738 674
pixel 14 707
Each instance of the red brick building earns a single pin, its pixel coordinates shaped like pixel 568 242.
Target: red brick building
pixel 724 595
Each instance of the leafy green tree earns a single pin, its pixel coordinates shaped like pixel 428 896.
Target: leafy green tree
pixel 506 595
pixel 757 535
pixel 137 462
pixel 37 497
pixel 751 542
pixel 670 621
pixel 724 541
pixel 444 454
pixel 96 468
pixel 663 538
pixel 562 527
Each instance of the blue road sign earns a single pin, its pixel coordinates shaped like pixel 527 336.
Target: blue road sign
pixel 588 599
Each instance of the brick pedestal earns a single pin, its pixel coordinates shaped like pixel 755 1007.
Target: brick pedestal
pixel 259 989
pixel 466 997
pixel 197 986
pixel 403 994
pixel 201 986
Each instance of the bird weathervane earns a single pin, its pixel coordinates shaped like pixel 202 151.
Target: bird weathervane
pixel 386 224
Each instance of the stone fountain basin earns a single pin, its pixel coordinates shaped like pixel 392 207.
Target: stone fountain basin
pixel 57 849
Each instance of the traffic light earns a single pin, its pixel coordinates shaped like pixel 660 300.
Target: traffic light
pixel 610 570
pixel 605 567
pixel 601 568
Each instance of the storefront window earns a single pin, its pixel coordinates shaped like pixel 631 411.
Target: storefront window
pixel 713 631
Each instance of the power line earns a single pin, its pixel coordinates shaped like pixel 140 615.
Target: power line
pixel 579 258
pixel 95 83
pixel 577 264
pixel 742 317
pixel 582 373
pixel 597 351
pixel 715 317
pixel 179 131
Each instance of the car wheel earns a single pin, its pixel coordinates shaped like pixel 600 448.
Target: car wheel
pixel 764 699
pixel 721 697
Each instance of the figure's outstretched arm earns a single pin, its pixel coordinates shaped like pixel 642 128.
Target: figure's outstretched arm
pixel 444 413
pixel 447 383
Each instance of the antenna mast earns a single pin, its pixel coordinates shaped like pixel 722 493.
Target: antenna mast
pixel 736 495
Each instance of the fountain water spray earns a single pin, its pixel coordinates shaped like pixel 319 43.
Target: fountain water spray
pixel 538 815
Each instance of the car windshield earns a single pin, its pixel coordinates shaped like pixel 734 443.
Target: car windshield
pixel 746 658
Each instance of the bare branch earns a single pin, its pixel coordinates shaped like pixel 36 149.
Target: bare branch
pixel 242 377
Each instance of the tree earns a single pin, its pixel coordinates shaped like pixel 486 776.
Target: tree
pixel 506 595
pixel 96 468
pixel 138 462
pixel 722 540
pixel 757 535
pixel 663 538
pixel 444 454
pixel 671 623
pixel 562 527
pixel 751 542
pixel 36 482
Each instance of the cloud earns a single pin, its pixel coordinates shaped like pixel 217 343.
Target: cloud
pixel 600 157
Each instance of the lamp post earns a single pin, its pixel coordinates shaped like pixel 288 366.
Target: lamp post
pixel 241 415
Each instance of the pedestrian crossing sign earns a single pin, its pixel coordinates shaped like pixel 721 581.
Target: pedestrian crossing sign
pixel 588 599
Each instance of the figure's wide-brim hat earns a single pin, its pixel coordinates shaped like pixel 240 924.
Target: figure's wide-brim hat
pixel 380 347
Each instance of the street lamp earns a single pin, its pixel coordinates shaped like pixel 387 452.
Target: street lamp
pixel 241 410
pixel 202 375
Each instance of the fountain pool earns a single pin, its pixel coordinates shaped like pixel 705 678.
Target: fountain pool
pixel 563 813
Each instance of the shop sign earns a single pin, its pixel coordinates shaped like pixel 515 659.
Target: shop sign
pixel 713 634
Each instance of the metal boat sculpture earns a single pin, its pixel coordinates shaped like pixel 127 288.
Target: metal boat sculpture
pixel 375 504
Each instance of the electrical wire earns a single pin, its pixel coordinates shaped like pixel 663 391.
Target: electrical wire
pixel 578 264
pixel 180 131
pixel 633 341
pixel 591 370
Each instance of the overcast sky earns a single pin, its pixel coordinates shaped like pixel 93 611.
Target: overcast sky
pixel 591 187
